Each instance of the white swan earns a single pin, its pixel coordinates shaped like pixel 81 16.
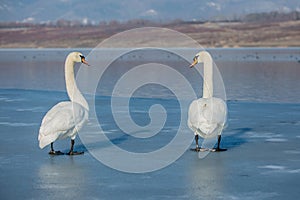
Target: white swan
pixel 66 118
pixel 207 116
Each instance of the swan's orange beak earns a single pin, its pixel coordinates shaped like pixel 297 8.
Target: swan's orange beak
pixel 84 61
pixel 194 63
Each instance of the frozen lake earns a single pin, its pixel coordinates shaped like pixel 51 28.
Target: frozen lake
pixel 262 137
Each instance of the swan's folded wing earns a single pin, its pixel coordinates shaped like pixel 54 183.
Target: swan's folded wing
pixel 207 117
pixel 63 117
pixel 215 111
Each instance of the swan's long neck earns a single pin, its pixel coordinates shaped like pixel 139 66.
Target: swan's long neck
pixel 208 89
pixel 72 89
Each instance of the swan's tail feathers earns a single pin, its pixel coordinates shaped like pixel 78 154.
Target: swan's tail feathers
pixel 45 140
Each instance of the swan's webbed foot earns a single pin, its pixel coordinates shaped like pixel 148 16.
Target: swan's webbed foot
pixel 72 153
pixel 218 149
pixel 203 149
pixel 52 152
pixel 199 149
pixel 56 152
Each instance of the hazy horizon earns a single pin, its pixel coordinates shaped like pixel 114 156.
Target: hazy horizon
pixel 37 11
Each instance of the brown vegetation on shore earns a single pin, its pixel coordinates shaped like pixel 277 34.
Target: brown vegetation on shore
pixel 208 34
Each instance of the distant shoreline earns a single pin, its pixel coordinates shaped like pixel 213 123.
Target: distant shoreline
pixel 209 34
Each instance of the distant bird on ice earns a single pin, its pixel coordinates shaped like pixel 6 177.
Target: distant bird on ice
pixel 207 116
pixel 66 118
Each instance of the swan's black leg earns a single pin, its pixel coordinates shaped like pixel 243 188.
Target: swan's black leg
pixel 196 139
pixel 72 145
pixel 218 145
pixel 219 141
pixel 197 144
pixel 71 152
pixel 52 147
pixel 52 152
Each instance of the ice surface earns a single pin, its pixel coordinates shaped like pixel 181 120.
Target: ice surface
pixel 262 161
pixel 262 138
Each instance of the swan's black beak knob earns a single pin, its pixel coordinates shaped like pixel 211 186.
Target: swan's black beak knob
pixel 84 61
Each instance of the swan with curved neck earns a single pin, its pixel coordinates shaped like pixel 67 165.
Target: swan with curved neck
pixel 71 86
pixel 207 116
pixel 66 118
pixel 205 58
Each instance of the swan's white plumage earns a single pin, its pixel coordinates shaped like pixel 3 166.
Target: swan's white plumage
pixel 66 118
pixel 207 116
